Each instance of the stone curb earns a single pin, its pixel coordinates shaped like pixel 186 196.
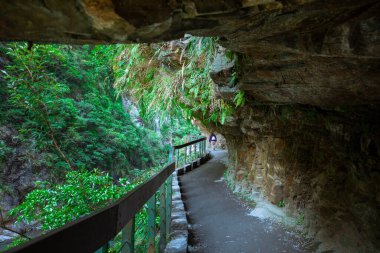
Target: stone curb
pixel 179 224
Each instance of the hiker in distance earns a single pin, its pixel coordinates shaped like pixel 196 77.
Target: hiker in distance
pixel 212 139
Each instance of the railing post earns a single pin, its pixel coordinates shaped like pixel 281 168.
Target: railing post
pixel 128 237
pixel 168 204
pixel 177 158
pixel 163 236
pixel 184 162
pixel 171 154
pixel 151 223
pixel 185 159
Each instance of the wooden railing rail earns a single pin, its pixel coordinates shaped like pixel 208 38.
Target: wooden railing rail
pixel 202 139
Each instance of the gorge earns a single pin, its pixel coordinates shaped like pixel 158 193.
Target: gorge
pixel 308 133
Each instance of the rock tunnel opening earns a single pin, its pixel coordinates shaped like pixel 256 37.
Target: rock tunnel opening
pixel 307 136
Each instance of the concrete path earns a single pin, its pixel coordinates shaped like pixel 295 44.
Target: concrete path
pixel 220 222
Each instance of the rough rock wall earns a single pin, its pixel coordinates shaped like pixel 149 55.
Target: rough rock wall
pixel 19 169
pixel 320 164
pixel 294 51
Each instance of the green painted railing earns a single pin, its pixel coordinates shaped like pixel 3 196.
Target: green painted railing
pixel 185 153
pixel 95 232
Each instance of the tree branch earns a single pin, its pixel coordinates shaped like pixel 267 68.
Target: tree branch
pixel 45 117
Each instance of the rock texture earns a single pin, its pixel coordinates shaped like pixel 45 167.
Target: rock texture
pixel 315 52
pixel 294 51
pixel 19 169
pixel 308 135
pixel 323 166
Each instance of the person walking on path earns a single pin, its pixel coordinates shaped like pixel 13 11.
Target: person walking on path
pixel 212 139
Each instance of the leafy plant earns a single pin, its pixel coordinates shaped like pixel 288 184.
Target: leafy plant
pixel 82 192
pixel 45 205
pixel 239 99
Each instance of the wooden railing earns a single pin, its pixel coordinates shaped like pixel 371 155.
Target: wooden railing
pixel 94 232
pixel 189 151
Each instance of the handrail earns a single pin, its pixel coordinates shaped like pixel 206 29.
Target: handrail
pixel 189 143
pixel 186 152
pixel 89 233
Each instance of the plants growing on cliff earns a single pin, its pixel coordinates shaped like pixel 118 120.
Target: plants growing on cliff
pixel 38 93
pixel 232 185
pixel 281 203
pixel 61 101
pixel 173 78
pixel 239 99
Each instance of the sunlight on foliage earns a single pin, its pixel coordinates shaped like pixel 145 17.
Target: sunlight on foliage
pixel 81 193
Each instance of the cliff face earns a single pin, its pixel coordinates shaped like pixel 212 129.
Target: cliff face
pixel 20 167
pixel 323 166
pixel 308 135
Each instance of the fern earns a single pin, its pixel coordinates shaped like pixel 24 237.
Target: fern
pixel 239 99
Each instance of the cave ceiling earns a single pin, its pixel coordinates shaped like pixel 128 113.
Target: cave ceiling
pixel 315 52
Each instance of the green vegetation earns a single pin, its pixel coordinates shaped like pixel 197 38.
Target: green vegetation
pixel 58 103
pixel 281 203
pixel 173 79
pixel 64 105
pixel 61 102
pixel 81 193
pixel 239 99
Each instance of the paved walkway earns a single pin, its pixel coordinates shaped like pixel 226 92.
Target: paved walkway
pixel 220 222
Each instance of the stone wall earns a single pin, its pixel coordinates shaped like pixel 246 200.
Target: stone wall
pixel 321 165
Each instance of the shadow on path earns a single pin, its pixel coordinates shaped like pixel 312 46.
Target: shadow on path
pixel 220 222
